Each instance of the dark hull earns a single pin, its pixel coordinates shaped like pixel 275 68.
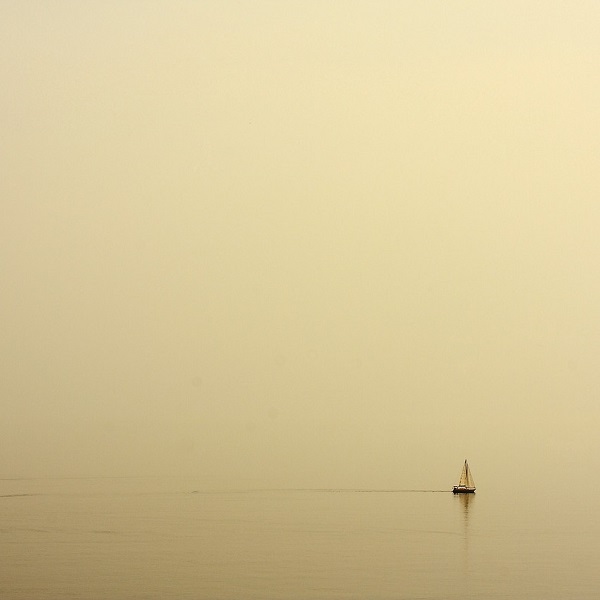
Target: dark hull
pixel 458 489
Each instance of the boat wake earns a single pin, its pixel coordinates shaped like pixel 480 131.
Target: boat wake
pixel 376 491
pixel 17 495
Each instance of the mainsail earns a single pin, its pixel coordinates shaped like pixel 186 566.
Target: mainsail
pixel 466 479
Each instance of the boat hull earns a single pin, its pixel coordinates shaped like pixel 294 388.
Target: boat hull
pixel 460 489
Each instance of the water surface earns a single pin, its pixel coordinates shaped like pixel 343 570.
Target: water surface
pixel 144 538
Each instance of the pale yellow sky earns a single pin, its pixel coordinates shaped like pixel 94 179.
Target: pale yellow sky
pixel 300 243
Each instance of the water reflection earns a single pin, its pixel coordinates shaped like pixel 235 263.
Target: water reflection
pixel 466 502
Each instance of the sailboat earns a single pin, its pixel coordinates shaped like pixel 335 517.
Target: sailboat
pixel 466 485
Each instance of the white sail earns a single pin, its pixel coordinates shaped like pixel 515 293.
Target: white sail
pixel 466 479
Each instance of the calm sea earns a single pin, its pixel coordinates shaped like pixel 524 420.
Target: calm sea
pixel 134 538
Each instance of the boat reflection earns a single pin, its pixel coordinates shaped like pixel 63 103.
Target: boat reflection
pixel 466 502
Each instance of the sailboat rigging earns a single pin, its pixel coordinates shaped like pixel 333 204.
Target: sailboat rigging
pixel 466 485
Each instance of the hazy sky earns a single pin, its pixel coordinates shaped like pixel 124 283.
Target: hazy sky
pixel 304 243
